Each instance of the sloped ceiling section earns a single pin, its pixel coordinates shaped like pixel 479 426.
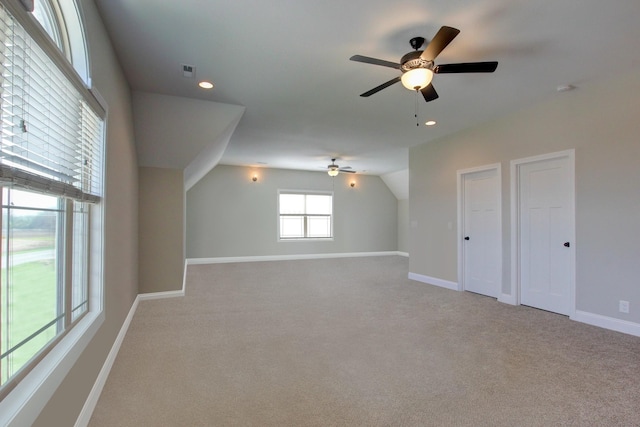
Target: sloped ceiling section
pixel 398 183
pixel 210 156
pixel 182 133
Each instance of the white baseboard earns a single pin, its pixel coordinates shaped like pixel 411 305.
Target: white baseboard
pixel 607 322
pixel 220 260
pixel 434 281
pixel 507 299
pixel 167 294
pixel 96 390
pixel 160 295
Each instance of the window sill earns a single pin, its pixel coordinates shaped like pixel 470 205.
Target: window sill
pixel 25 402
pixel 308 239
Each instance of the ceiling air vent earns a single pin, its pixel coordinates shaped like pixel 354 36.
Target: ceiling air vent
pixel 188 71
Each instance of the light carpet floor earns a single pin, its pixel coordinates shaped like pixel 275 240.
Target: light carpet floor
pixel 353 342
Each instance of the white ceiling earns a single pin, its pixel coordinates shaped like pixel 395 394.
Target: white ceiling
pixel 287 62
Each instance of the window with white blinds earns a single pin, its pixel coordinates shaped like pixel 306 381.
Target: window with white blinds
pixel 51 147
pixel 51 139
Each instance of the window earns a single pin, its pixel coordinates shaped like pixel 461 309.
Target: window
pixel 51 144
pixel 305 216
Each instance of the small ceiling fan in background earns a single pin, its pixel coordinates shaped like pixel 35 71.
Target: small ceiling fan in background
pixel 418 67
pixel 334 170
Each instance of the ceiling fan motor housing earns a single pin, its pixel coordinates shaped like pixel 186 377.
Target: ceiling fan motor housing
pixel 412 60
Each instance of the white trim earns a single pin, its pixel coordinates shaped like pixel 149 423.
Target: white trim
pixel 23 405
pixel 515 236
pixel 497 167
pixel 404 254
pixel 94 395
pixel 167 294
pixel 515 222
pixel 304 193
pixel 619 325
pixel 221 260
pixel 507 299
pixel 184 278
pixel 434 281
pixel 96 390
pixel 160 295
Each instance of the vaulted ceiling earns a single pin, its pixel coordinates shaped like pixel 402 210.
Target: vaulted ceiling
pixel 283 67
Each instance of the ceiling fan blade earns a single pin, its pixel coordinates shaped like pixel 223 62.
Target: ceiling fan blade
pixel 382 86
pixel 346 170
pixel 374 61
pixel 443 37
pixel 466 67
pixel 429 93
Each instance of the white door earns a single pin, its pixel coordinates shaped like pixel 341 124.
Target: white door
pixel 546 231
pixel 482 254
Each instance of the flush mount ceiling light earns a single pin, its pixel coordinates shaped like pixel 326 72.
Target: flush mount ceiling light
pixel 205 84
pixel 430 123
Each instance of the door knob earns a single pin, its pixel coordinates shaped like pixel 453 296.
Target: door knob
pixel 466 238
pixel 567 244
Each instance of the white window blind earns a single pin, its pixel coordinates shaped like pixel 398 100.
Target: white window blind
pixel 51 139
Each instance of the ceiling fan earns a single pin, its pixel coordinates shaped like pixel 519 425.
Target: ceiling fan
pixel 418 67
pixel 334 170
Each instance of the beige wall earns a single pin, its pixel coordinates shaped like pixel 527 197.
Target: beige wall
pixel 230 215
pixel 161 224
pixel 600 121
pixel 121 226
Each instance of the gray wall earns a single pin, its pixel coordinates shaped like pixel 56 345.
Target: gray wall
pixel 230 215
pixel 161 229
pixel 600 121
pixel 403 225
pixel 121 226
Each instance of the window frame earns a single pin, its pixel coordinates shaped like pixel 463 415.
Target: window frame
pixel 305 215
pixel 25 401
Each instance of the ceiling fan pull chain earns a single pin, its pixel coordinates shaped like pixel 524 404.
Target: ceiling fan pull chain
pixel 416 112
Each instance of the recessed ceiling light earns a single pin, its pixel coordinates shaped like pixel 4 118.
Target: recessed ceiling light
pixel 430 123
pixel 205 85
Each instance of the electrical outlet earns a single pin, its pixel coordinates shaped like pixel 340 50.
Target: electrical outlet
pixel 623 306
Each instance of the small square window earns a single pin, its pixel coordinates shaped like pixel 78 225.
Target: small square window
pixel 305 215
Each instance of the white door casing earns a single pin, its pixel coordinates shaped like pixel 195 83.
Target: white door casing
pixel 543 232
pixel 480 230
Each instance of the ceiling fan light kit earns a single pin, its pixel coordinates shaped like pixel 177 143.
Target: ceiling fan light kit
pixel 416 79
